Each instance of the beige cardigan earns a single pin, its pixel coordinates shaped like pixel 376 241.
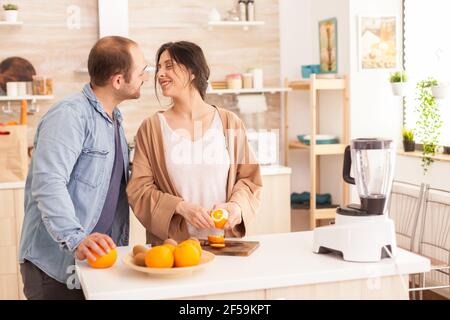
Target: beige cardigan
pixel 153 197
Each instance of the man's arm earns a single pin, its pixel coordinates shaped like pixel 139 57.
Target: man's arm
pixel 59 144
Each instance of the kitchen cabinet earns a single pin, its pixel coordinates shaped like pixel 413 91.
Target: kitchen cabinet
pixel 274 215
pixel 11 217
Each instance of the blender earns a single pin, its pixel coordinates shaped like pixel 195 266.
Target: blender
pixel 363 232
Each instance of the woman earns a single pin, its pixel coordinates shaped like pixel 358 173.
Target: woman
pixel 191 158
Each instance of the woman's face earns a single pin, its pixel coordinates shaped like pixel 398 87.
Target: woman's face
pixel 173 78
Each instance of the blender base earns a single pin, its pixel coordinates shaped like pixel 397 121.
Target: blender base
pixel 357 238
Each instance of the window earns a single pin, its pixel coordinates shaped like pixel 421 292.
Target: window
pixel 427 53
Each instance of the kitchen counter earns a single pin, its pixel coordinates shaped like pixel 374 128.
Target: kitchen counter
pixel 284 266
pixel 12 185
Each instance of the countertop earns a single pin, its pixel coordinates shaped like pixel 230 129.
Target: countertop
pixel 12 185
pixel 281 260
pixel 270 170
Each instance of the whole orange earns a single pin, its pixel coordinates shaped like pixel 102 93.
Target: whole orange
pixel 170 246
pixel 186 255
pixel 159 257
pixel 105 261
pixel 195 243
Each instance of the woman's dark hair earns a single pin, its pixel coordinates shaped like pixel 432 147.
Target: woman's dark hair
pixel 191 56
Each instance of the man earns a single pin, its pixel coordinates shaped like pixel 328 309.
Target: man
pixel 75 200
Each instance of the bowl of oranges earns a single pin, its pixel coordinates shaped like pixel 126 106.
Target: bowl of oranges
pixel 169 259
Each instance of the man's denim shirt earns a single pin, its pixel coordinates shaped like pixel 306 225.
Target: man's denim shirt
pixel 68 181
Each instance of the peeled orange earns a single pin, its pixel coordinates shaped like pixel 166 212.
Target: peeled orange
pixel 216 239
pixel 159 257
pixel 105 261
pixel 220 217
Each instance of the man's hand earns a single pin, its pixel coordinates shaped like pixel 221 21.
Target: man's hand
pixel 97 243
pixel 197 216
pixel 234 214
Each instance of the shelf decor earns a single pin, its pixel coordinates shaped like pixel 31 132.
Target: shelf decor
pixel 328 45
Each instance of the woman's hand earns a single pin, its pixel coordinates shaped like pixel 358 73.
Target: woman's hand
pixel 234 213
pixel 197 216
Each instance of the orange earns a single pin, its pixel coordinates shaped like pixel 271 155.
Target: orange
pixel 217 245
pixel 220 217
pixel 195 243
pixel 159 257
pixel 105 261
pixel 216 239
pixel 170 246
pixel 186 255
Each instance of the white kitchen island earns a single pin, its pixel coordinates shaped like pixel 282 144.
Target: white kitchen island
pixel 283 267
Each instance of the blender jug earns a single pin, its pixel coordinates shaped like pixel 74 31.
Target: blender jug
pixel 373 167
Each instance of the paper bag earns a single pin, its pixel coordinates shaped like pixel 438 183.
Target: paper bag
pixel 13 153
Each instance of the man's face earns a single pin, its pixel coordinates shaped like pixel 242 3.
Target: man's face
pixel 138 75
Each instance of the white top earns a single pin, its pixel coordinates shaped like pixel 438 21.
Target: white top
pixel 199 168
pixel 283 259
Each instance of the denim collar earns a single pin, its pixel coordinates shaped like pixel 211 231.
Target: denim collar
pixel 90 95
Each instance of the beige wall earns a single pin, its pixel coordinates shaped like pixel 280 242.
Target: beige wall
pixel 56 51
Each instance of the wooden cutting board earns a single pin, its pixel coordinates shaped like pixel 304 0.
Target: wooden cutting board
pixel 232 248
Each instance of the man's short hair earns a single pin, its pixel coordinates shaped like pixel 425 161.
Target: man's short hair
pixel 110 56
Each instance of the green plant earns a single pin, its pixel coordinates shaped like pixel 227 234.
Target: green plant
pixel 429 123
pixel 398 76
pixel 10 6
pixel 408 135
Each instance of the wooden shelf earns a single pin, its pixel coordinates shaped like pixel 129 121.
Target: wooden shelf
pixel 320 84
pixel 243 91
pixel 418 154
pixel 235 24
pixel 12 24
pixel 305 206
pixel 20 98
pixel 320 149
pixel 82 70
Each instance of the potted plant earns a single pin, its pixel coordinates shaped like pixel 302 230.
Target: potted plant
pixel 399 83
pixel 408 140
pixel 440 90
pixel 429 123
pixel 11 12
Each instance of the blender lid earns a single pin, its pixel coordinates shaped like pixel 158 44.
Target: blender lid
pixel 371 144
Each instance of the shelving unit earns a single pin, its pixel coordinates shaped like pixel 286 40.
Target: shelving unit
pixel 245 25
pixel 242 91
pixel 314 86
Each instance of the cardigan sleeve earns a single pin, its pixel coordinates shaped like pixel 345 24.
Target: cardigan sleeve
pixel 246 191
